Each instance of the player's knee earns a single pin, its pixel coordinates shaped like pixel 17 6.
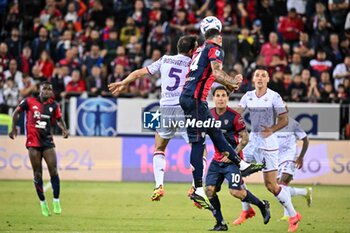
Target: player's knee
pixel 210 191
pixel 54 172
pixel 38 175
pixel 237 193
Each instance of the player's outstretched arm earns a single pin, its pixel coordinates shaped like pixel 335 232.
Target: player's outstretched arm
pixel 300 159
pixel 231 83
pixel 63 127
pixel 117 87
pixel 13 132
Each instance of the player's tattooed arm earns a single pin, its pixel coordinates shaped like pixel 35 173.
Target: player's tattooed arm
pixel 231 83
pixel 243 134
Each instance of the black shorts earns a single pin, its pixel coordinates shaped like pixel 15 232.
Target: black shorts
pixel 197 110
pixel 41 148
pixel 218 172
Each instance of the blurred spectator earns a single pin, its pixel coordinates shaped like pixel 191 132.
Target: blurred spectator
pixel 304 49
pixel 156 14
pixel 70 61
pixel 229 23
pixel 27 86
pixel 63 45
pixel 75 86
pixel 13 72
pixel 99 14
pixel 135 53
pixel 141 87
pixel 111 46
pixel 14 44
pixel 245 47
pixel 266 14
pixel 321 34
pixel 296 67
pixel 93 39
pixel 290 27
pixel 305 76
pixel 341 72
pixel 325 78
pixel 338 10
pixel 45 65
pixel 287 79
pixel 157 39
pixel 297 90
pixel 49 11
pixel 327 94
pixel 41 43
pixel 320 64
pixel 4 59
pixel 333 50
pixel 277 64
pixel 345 46
pixel 342 95
pixel 129 30
pixel 117 75
pixel 140 15
pixel 92 59
pixel 246 12
pixel 59 81
pixel 276 84
pixel 95 83
pixel 272 48
pixel 121 59
pixel 320 14
pixel 107 29
pixel 25 61
pixel 280 7
pixel 259 38
pixel 11 93
pixel 313 94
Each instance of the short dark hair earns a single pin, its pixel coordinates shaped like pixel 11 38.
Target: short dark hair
pixel 186 43
pixel 220 88
pixel 211 33
pixel 45 83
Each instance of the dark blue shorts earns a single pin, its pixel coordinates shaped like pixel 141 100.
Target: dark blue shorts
pixel 198 110
pixel 218 172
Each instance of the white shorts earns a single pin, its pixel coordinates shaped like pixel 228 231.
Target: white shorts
pixel 168 114
pixel 287 167
pixel 259 155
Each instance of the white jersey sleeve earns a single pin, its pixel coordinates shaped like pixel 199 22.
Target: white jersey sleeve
pixel 278 104
pixel 155 66
pixel 298 131
pixel 243 102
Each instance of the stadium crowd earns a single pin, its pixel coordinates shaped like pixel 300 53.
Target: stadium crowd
pixel 82 45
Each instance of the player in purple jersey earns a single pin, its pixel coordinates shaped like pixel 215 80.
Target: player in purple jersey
pixel 205 68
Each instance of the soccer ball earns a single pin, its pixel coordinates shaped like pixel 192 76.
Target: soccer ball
pixel 209 23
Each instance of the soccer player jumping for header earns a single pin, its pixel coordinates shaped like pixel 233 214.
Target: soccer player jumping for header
pixel 205 68
pixel 41 113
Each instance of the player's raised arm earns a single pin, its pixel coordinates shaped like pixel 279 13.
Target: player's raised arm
pixel 231 83
pixel 117 87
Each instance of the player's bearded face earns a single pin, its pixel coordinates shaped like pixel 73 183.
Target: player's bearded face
pixel 261 78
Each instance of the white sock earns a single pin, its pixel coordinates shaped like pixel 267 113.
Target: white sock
pixel 43 202
pixel 204 169
pixel 200 191
pixel 159 164
pixel 204 166
pixel 56 199
pixel 286 201
pixel 297 191
pixel 285 212
pixel 243 165
pixel 245 205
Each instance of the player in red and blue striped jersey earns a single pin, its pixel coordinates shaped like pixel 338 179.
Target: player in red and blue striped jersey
pixel 41 113
pixel 205 68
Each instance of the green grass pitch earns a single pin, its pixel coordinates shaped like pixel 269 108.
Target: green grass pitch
pixel 126 207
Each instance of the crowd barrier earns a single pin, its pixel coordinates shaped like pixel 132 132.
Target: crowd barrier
pixel 130 159
pixel 110 117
